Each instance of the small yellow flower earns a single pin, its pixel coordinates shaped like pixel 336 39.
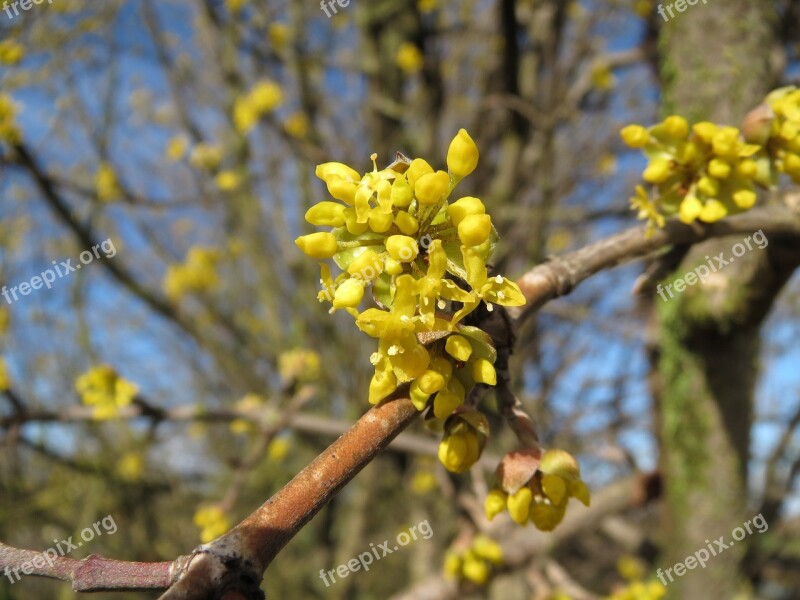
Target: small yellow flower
pixel 211 521
pixel 495 503
pixel 459 451
pixel 409 58
pixel 279 34
pixel 635 136
pixel 430 188
pixel 102 388
pixel 130 467
pixel 176 148
pixel 228 181
pixel 297 125
pixel 106 183
pixel 266 96
pixel 11 53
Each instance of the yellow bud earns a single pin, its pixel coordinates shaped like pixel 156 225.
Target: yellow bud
pixel 744 199
pixel 475 570
pixel 317 245
pixel 483 372
pixel 417 169
pixel 402 248
pixel 487 548
pixel 708 186
pixel 402 192
pixel 348 294
pixel 458 347
pixel 443 366
pixel 719 168
pixel 713 211
pixel 352 224
pixel 449 399
pixel 367 265
pixel 519 505
pixel 546 517
pixel 746 169
pixel 690 209
pixel 406 223
pixel 380 222
pixel 452 565
pixel 326 214
pixel 657 171
pixel 462 155
pixel 418 398
pixel 635 136
pixel 705 130
pixel 676 127
pixel 554 487
pixel 341 189
pixel 495 503
pixel 459 451
pixel 791 163
pixel 580 491
pixel 726 141
pixel 463 207
pixel 382 384
pixel 430 188
pixel 325 170
pixel 430 382
pixel 474 229
pixel 391 266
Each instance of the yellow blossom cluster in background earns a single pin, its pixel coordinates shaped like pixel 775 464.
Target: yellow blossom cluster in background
pixel 409 58
pixel 252 404
pixel 11 52
pixel 212 522
pixel 106 183
pixel 5 379
pixel 263 98
pixel 9 132
pixel 300 365
pixel 197 274
pixel 130 467
pixel 706 171
pixel 540 493
pixel 102 388
pixel 394 231
pixel 475 562
pixel 205 156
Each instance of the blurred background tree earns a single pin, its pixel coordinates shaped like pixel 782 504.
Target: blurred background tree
pixel 187 132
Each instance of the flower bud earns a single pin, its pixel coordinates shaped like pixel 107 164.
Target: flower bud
pixel 352 224
pixel 406 223
pixel 676 126
pixel 757 125
pixel 474 229
pixel 317 245
pixel 417 169
pixel 462 155
pixel 459 451
pixel 383 383
pixel 468 205
pixel 341 189
pixel 449 399
pixel 348 294
pixel 475 570
pixel 657 171
pixel 418 398
pixel 635 136
pixel 713 211
pixel 380 222
pixel 690 209
pixel 744 199
pixel 402 248
pixel 719 168
pixel 519 505
pixel 430 188
pixel 458 347
pixel 430 382
pixel 326 214
pixel 708 186
pixel 325 170
pixel 402 192
pixel 495 503
pixel 483 372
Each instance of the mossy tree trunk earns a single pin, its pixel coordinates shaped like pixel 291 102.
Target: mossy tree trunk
pixel 715 65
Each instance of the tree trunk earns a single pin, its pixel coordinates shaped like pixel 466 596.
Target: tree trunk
pixel 714 65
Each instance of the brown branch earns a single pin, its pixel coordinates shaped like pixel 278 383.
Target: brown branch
pixel 559 276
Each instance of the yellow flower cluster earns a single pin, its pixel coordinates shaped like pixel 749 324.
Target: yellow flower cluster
pixel 633 571
pixel 197 274
pixel 465 435
pixel 130 467
pixel 395 231
pixel 11 52
pixel 9 132
pixel 205 156
pixel 537 491
pixel 211 521
pixel 106 183
pixel 5 378
pixel 409 58
pixel 102 388
pixel 252 404
pixel 265 97
pixel 707 171
pixel 299 365
pixel 475 562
